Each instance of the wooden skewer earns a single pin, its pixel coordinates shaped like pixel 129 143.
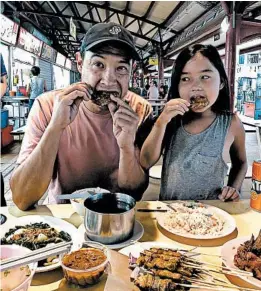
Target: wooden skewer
pixel 216 271
pixel 246 273
pixel 208 287
pixel 227 285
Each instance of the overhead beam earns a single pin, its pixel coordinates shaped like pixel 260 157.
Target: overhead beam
pixel 75 12
pixel 191 24
pixel 103 6
pixel 126 9
pixel 47 14
pixel 173 12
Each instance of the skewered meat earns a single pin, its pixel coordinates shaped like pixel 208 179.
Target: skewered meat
pixel 248 256
pixel 166 274
pixel 150 282
pixel 197 101
pixel 102 98
pixel 161 269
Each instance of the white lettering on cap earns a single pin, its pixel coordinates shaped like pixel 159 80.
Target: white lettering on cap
pixel 115 30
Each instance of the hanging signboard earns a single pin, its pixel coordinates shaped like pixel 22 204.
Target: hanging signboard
pixel 60 60
pixel 153 61
pixel 72 28
pixel 47 52
pixel 9 30
pixel 28 42
pixel 68 64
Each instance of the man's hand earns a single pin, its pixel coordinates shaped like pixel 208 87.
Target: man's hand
pixel 229 194
pixel 66 104
pixel 125 122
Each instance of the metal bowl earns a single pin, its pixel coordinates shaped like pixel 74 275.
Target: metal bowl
pixel 109 218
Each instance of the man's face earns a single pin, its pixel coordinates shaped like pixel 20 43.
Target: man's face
pixel 106 72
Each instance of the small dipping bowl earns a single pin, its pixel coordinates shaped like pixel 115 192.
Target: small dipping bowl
pixel 72 264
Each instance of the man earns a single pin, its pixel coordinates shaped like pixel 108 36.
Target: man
pixel 36 86
pixel 153 92
pixel 3 78
pixel 74 139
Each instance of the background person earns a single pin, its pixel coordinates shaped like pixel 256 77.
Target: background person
pixel 36 87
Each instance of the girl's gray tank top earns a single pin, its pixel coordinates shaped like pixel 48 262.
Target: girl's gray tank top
pixel 193 166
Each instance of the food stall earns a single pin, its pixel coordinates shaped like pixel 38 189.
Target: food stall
pixel 61 76
pixel 48 56
pixel 248 66
pixel 9 31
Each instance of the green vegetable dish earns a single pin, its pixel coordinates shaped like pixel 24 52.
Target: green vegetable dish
pixel 35 236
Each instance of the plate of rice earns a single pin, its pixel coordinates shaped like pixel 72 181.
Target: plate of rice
pixel 196 220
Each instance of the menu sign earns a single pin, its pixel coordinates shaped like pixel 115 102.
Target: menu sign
pixel 9 30
pixel 29 43
pixel 68 64
pixel 60 60
pixel 47 52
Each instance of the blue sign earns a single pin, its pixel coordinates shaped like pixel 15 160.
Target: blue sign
pixel 258 98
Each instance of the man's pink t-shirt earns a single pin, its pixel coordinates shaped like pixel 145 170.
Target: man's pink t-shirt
pixel 88 154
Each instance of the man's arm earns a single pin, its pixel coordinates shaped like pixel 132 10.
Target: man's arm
pixel 31 179
pixel 132 179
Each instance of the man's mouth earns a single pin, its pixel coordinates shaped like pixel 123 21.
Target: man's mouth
pixel 198 101
pixel 102 98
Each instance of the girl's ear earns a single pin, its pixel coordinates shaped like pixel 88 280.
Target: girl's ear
pixel 221 86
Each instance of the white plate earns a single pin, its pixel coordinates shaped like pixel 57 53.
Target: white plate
pixel 139 247
pixel 228 251
pixel 137 234
pixel 228 228
pixel 54 222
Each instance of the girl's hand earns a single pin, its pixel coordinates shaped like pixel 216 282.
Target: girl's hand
pixel 229 193
pixel 173 108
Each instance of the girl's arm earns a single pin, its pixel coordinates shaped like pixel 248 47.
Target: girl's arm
pixel 238 160
pixel 151 149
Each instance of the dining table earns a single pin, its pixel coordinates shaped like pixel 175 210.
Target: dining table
pixel 247 220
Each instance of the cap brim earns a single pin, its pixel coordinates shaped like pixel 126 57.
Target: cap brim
pixel 135 54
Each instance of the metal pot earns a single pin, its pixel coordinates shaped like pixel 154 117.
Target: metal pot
pixel 109 218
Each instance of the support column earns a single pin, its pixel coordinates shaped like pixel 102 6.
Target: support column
pixel 232 40
pixel 160 67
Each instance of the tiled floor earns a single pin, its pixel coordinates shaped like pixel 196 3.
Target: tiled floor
pixel 10 153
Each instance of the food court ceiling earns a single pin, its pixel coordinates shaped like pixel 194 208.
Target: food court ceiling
pixel 155 25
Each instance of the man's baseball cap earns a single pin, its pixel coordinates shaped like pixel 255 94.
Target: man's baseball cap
pixel 104 32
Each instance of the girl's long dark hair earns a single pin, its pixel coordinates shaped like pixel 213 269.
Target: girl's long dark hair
pixel 222 103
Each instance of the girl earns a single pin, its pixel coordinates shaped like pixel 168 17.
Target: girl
pixel 197 132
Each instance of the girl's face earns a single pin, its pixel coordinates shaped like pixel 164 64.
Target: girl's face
pixel 199 83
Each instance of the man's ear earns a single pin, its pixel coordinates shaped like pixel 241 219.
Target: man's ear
pixel 79 61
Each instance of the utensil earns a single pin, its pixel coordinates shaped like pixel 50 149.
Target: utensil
pixel 152 210
pixel 109 218
pixel 35 256
pixel 82 194
pixel 74 196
